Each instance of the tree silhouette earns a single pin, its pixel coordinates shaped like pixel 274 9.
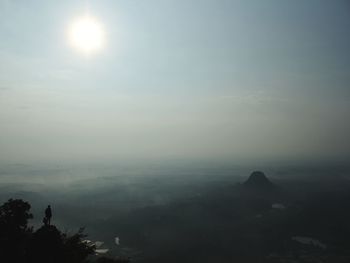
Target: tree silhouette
pixel 14 230
pixel 14 216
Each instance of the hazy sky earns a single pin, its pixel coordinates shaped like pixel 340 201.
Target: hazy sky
pixel 209 79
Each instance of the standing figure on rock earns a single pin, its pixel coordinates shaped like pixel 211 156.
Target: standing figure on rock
pixel 48 215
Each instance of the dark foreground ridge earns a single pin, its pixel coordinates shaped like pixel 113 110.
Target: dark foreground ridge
pixel 19 243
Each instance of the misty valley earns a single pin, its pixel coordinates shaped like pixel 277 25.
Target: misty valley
pixel 174 131
pixel 214 216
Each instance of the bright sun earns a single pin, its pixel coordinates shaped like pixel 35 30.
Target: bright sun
pixel 86 34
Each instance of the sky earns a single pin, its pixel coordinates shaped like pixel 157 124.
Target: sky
pixel 185 79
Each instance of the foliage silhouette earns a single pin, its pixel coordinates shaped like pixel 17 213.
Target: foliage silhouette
pixel 74 249
pixel 14 214
pixel 14 230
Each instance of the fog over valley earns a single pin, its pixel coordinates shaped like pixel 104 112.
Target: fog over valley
pixel 174 131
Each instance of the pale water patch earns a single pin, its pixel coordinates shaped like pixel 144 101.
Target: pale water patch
pixel 278 206
pixel 98 245
pixel 309 241
pixel 101 251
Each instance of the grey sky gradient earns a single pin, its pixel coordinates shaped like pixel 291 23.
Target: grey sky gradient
pixel 187 79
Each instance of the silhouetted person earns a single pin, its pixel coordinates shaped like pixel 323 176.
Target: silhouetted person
pixel 48 215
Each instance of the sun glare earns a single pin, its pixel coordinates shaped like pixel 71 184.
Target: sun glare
pixel 86 34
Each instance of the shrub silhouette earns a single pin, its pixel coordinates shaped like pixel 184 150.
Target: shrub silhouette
pixel 74 249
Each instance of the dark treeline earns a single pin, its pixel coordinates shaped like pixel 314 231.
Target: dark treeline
pixel 20 243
